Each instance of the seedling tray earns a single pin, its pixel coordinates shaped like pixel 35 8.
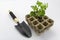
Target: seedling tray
pixel 39 25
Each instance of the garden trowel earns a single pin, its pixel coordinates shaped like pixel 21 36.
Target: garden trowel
pixel 21 27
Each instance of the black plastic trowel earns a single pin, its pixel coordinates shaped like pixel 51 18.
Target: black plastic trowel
pixel 21 27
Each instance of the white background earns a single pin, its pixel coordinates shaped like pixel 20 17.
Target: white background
pixel 20 9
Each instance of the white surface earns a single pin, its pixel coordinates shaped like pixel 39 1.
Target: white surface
pixel 20 9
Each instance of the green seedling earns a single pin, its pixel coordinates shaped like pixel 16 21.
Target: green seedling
pixel 39 9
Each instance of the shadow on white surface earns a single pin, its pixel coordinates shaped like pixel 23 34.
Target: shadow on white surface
pixel 47 34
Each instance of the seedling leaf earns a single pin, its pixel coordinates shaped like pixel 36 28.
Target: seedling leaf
pixel 39 3
pixel 34 8
pixel 32 13
pixel 39 9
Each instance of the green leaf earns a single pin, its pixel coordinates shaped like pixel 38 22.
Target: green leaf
pixel 44 6
pixel 41 13
pixel 39 9
pixel 39 3
pixel 32 13
pixel 34 8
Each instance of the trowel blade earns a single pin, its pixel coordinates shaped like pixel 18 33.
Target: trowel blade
pixel 24 29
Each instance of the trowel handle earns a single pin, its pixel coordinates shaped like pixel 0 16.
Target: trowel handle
pixel 13 17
